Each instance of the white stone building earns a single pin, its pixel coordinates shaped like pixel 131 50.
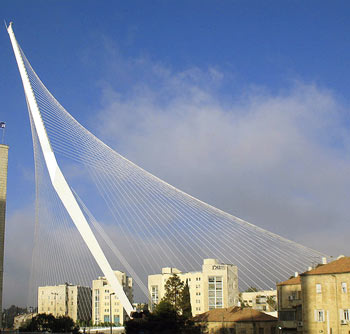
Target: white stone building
pixel 106 303
pixel 216 286
pixel 66 299
pixel 264 300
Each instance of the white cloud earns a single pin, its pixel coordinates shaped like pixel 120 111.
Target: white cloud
pixel 279 161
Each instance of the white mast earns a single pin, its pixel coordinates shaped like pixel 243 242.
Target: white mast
pixel 61 186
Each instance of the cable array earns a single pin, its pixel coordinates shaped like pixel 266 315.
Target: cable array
pixel 141 222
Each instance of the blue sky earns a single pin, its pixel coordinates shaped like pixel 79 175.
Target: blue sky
pixel 273 72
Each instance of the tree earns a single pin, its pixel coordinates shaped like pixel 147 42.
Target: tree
pixel 251 289
pixel 163 320
pixel 185 302
pixel 173 290
pixel 9 314
pixel 242 303
pixel 272 303
pixel 48 323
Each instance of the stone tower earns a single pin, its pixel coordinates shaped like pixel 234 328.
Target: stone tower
pixel 3 186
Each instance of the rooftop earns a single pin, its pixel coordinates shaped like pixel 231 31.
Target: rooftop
pixel 291 281
pixel 341 265
pixel 233 314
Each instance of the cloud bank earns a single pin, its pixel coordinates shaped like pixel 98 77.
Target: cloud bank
pixel 278 160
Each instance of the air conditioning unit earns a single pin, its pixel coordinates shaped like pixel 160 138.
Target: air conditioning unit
pixel 343 322
pixel 290 297
pixel 300 324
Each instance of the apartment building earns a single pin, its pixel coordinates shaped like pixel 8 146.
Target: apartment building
pixel 290 318
pixel 216 286
pixel 317 301
pixel 106 306
pixel 264 300
pixel 66 300
pixel 326 298
pixel 3 190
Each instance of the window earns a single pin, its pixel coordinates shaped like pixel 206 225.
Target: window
pixel 154 294
pixel 106 318
pixel 318 288
pixel 319 315
pixel 273 330
pixel 97 306
pixel 215 292
pixel 344 287
pixel 261 330
pixel 345 314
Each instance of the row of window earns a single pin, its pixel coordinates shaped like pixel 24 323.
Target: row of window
pixel 344 287
pixel 343 313
pixel 215 292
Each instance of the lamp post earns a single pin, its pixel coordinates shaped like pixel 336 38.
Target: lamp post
pixel 110 311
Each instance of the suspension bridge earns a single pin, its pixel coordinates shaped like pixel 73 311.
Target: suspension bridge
pixel 97 211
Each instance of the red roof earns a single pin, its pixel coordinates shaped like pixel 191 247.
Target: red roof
pixel 233 314
pixel 291 281
pixel 342 265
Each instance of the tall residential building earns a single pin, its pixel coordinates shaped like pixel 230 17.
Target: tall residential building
pixel 264 300
pixel 3 188
pixel 216 286
pixel 106 303
pixel 66 299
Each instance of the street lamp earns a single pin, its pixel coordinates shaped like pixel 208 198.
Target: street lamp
pixel 110 310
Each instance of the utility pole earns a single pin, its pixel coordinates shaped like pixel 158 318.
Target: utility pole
pixel 110 311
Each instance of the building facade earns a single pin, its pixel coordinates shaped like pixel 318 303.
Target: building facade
pixel 106 306
pixel 264 300
pixel 317 301
pixel 21 319
pixel 216 286
pixel 3 189
pixel 290 305
pixel 326 298
pixel 66 300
